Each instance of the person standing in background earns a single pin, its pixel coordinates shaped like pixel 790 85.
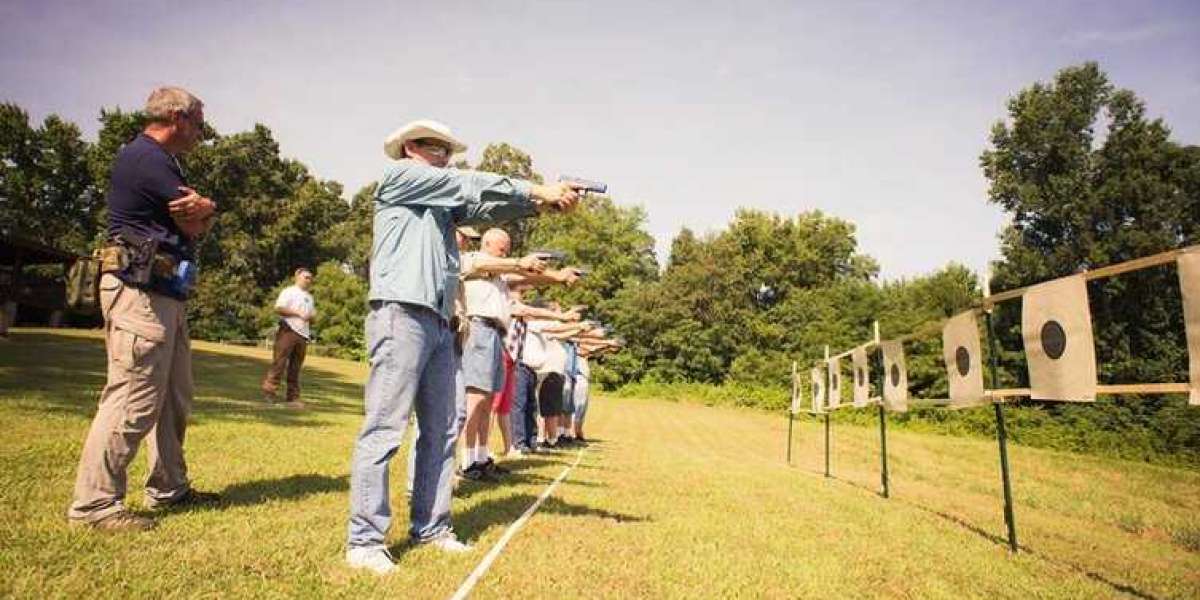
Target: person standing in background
pixel 296 311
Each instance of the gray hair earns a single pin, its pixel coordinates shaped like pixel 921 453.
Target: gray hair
pixel 495 235
pixel 165 102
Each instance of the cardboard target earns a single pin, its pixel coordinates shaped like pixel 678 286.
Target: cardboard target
pixel 819 375
pixel 1189 285
pixel 835 384
pixel 964 362
pixel 895 377
pixel 796 396
pixel 1056 325
pixel 862 376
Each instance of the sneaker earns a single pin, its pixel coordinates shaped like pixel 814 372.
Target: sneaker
pixel 546 446
pixel 448 542
pixel 492 468
pixel 377 560
pixel 119 521
pixel 189 499
pixel 523 451
pixel 477 472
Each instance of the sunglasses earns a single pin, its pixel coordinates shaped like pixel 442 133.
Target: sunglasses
pixel 193 118
pixel 435 148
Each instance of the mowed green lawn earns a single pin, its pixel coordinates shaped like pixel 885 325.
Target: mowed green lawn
pixel 673 500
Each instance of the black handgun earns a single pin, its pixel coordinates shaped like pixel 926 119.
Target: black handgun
pixel 584 184
pixel 550 255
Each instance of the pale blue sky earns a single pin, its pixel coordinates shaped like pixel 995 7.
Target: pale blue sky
pixel 874 112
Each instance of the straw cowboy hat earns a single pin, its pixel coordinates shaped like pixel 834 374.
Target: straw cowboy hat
pixel 416 130
pixel 469 232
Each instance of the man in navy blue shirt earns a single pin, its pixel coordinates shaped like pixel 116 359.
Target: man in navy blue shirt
pixel 154 220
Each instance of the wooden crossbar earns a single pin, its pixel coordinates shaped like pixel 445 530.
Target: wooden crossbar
pixel 1121 388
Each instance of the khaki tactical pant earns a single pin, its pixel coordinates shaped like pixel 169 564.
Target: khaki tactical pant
pixel 290 348
pixel 148 393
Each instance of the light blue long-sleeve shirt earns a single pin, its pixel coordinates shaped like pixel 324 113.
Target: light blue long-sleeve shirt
pixel 414 256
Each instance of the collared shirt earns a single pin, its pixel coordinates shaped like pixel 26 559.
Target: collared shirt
pixel 486 296
pixel 514 342
pixel 145 178
pixel 298 300
pixel 572 359
pixel 414 257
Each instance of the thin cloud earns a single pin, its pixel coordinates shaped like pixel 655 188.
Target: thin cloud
pixel 1133 35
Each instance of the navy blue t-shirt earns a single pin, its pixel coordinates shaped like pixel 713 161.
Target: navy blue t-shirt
pixel 145 178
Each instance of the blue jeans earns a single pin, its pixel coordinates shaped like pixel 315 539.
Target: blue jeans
pixel 460 419
pixel 525 407
pixel 568 397
pixel 411 354
pixel 482 360
pixel 581 400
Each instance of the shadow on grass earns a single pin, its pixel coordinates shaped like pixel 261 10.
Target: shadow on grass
pixel 502 511
pixel 1002 541
pixel 467 488
pixel 292 487
pixel 66 374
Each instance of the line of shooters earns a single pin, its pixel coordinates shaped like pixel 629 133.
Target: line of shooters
pixel 448 335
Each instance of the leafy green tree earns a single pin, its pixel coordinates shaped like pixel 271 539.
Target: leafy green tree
pixel 703 321
pixel 510 161
pixel 1088 180
pixel 607 240
pixel 46 193
pixel 1078 202
pixel 351 238
pixel 341 299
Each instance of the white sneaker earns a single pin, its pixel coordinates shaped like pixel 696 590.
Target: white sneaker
pixel 378 560
pixel 447 542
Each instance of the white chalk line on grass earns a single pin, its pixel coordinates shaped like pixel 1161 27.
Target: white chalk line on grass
pixel 486 563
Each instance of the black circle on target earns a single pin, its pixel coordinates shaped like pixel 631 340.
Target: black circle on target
pixel 895 375
pixel 1054 339
pixel 833 380
pixel 962 358
pixel 859 374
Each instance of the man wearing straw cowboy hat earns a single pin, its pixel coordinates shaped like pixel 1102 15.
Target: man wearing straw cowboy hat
pixel 410 346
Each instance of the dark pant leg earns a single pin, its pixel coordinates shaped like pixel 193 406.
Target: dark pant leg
pixel 284 340
pixel 295 361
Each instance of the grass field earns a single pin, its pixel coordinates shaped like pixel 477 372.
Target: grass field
pixel 673 500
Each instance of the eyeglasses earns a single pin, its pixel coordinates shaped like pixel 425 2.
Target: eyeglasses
pixel 435 148
pixel 195 119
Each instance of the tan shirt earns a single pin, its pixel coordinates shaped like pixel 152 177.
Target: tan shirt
pixel 486 297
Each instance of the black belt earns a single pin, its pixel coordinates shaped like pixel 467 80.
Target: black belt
pixel 490 322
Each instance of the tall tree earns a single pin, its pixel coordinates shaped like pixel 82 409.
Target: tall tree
pixel 510 161
pixel 706 319
pixel 1090 180
pixel 46 193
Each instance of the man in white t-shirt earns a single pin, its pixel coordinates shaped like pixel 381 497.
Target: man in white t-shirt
pixel 488 363
pixel 489 316
pixel 527 346
pixel 296 311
